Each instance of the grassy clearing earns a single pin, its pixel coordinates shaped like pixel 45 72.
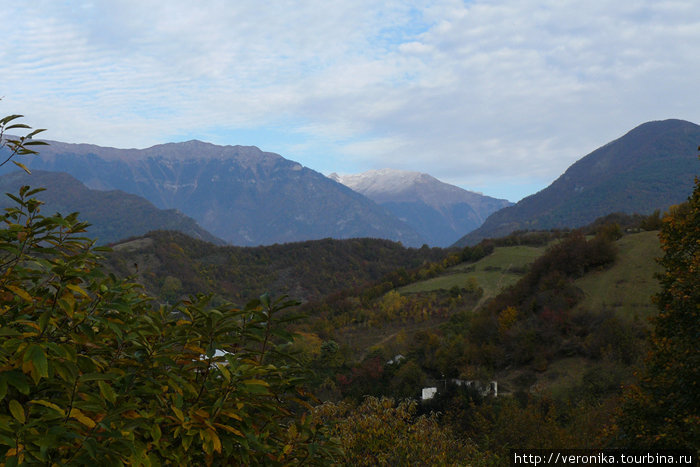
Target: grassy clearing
pixel 628 285
pixel 493 273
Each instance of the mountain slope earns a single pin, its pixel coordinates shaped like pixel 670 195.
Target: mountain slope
pixel 113 215
pixel 241 194
pixel 172 265
pixel 651 167
pixel 439 212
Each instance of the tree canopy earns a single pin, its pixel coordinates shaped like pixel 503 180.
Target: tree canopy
pixel 663 410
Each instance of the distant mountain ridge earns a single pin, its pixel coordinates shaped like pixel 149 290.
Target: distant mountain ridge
pixel 238 193
pixel 438 211
pixel 113 215
pixel 651 167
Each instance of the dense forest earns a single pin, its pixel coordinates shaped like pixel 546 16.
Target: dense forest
pixel 97 368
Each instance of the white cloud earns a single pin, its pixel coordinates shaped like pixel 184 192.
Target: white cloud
pixel 476 92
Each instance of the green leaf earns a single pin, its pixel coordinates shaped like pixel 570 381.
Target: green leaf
pixel 155 432
pixel 5 440
pixel 9 118
pixel 98 377
pixel 91 447
pixel 16 379
pixel 17 125
pixel 256 386
pixel 107 391
pixel 17 411
pixel 33 134
pixel 36 354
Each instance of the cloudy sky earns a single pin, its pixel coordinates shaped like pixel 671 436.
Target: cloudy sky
pixel 495 96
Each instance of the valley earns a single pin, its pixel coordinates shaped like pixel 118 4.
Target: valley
pixel 558 318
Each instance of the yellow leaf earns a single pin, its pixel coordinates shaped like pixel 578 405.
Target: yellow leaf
pixel 31 324
pixel 178 413
pixel 77 289
pixel 13 452
pixel 22 166
pixel 230 414
pixel 224 372
pixel 195 348
pixel 28 367
pixel 50 405
pixel 256 382
pixel 216 442
pixel 17 411
pixel 82 418
pixel 230 429
pixel 19 292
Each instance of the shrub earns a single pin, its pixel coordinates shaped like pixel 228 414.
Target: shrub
pixel 92 371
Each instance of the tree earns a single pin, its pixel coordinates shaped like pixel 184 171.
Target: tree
pixel 93 371
pixel 663 409
pixel 382 432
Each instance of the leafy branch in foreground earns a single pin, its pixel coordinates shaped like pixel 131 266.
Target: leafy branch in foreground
pixel 92 371
pixel 17 145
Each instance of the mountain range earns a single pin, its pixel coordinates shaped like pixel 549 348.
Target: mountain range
pixel 249 197
pixel 238 193
pixel 113 215
pixel 651 167
pixel 439 212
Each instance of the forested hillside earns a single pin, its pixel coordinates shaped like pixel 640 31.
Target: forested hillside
pixel 558 345
pixel 651 167
pixel 172 265
pixel 113 215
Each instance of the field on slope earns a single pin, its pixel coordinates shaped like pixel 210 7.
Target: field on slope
pixel 493 273
pixel 628 285
pixel 504 267
pixel 624 290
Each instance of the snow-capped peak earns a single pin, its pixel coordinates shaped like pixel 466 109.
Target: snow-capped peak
pixel 382 181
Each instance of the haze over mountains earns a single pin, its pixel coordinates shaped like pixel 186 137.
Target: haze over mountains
pixel 249 197
pixel 113 215
pixel 651 167
pixel 440 212
pixel 240 194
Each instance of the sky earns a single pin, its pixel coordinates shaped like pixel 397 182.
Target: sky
pixel 498 97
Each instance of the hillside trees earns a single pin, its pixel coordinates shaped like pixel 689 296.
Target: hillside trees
pixel 383 432
pixel 663 410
